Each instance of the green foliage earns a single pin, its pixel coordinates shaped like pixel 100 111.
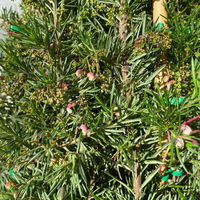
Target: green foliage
pixel 185 33
pixel 72 128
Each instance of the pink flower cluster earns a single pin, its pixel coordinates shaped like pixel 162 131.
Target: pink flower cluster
pixel 186 131
pixel 69 106
pixel 79 73
pixel 84 129
pixel 64 85
pixel 9 185
pixel 47 73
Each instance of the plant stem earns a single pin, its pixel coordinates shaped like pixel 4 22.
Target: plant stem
pixel 122 37
pixel 190 120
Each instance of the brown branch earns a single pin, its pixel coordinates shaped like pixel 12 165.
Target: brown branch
pixel 137 181
pixel 122 37
pixel 137 177
pixel 55 17
pixel 123 24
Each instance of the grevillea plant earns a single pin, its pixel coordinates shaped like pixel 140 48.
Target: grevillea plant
pixel 80 117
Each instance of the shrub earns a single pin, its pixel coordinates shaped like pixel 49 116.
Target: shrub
pixel 72 127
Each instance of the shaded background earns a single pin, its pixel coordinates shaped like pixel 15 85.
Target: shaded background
pixel 8 4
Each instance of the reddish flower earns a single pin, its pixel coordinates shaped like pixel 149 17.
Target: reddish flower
pixel 162 169
pixel 79 72
pixel 179 143
pixel 9 185
pixel 47 73
pixel 169 84
pixel 84 129
pixel 186 130
pixel 64 86
pixel 69 106
pixel 90 76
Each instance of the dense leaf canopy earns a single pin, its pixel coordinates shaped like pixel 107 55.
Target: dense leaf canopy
pixel 72 127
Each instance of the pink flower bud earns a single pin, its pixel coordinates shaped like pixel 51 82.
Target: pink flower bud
pixel 15 195
pixel 186 130
pixel 117 114
pixel 47 73
pixel 9 185
pixel 51 45
pixel 84 129
pixel 90 76
pixel 179 143
pixel 71 104
pixel 64 86
pixel 169 84
pixel 162 169
pixel 79 72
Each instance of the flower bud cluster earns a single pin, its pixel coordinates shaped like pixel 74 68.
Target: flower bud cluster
pixel 80 73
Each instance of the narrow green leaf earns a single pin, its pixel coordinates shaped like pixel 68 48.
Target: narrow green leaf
pixel 149 178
